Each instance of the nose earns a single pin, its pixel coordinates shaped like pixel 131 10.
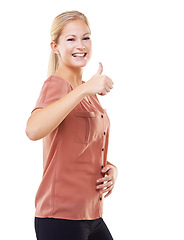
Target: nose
pixel 80 46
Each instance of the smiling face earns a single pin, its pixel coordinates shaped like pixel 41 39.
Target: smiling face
pixel 74 44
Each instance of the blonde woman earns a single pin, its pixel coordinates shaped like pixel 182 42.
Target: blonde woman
pixel 75 132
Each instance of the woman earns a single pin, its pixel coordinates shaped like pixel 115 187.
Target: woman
pixel 75 131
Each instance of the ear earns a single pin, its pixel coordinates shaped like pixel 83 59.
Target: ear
pixel 54 47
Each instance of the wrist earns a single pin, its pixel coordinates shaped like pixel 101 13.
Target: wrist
pixel 82 90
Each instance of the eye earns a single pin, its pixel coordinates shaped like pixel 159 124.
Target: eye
pixel 86 38
pixel 70 39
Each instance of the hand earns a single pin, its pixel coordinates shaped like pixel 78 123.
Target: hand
pixel 99 84
pixel 106 184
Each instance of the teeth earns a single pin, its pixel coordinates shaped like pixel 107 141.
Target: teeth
pixel 79 55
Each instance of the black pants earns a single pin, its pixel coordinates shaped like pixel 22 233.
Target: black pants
pixel 63 229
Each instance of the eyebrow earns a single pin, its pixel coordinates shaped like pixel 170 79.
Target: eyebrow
pixel 71 35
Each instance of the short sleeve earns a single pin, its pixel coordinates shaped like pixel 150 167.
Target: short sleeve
pixel 53 89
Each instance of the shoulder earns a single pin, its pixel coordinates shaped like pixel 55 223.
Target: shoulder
pixel 52 80
pixel 56 84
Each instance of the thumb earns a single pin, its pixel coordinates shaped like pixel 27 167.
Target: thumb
pixel 100 69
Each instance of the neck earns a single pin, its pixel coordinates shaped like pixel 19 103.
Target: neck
pixel 73 75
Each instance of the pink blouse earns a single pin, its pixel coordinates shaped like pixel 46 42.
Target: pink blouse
pixel 73 156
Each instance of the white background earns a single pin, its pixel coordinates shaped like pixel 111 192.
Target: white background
pixel 140 44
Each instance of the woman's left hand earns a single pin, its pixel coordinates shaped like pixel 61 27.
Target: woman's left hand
pixel 106 184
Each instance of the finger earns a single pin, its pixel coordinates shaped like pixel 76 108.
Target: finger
pixel 108 89
pixel 105 185
pixel 108 184
pixel 104 179
pixel 110 83
pixel 100 69
pixel 109 193
pixel 105 91
pixel 99 187
pixel 106 190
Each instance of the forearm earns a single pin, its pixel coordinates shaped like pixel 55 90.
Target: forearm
pixel 44 121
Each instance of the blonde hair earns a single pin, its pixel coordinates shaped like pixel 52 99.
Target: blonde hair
pixel 56 29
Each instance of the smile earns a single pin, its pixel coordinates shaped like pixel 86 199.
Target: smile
pixel 79 54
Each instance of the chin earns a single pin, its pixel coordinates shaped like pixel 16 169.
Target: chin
pixel 79 65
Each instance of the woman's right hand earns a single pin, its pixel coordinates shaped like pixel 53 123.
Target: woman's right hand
pixel 99 84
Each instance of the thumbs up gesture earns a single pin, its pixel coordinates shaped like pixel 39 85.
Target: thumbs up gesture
pixel 99 84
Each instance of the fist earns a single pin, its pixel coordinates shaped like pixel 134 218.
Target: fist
pixel 99 84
